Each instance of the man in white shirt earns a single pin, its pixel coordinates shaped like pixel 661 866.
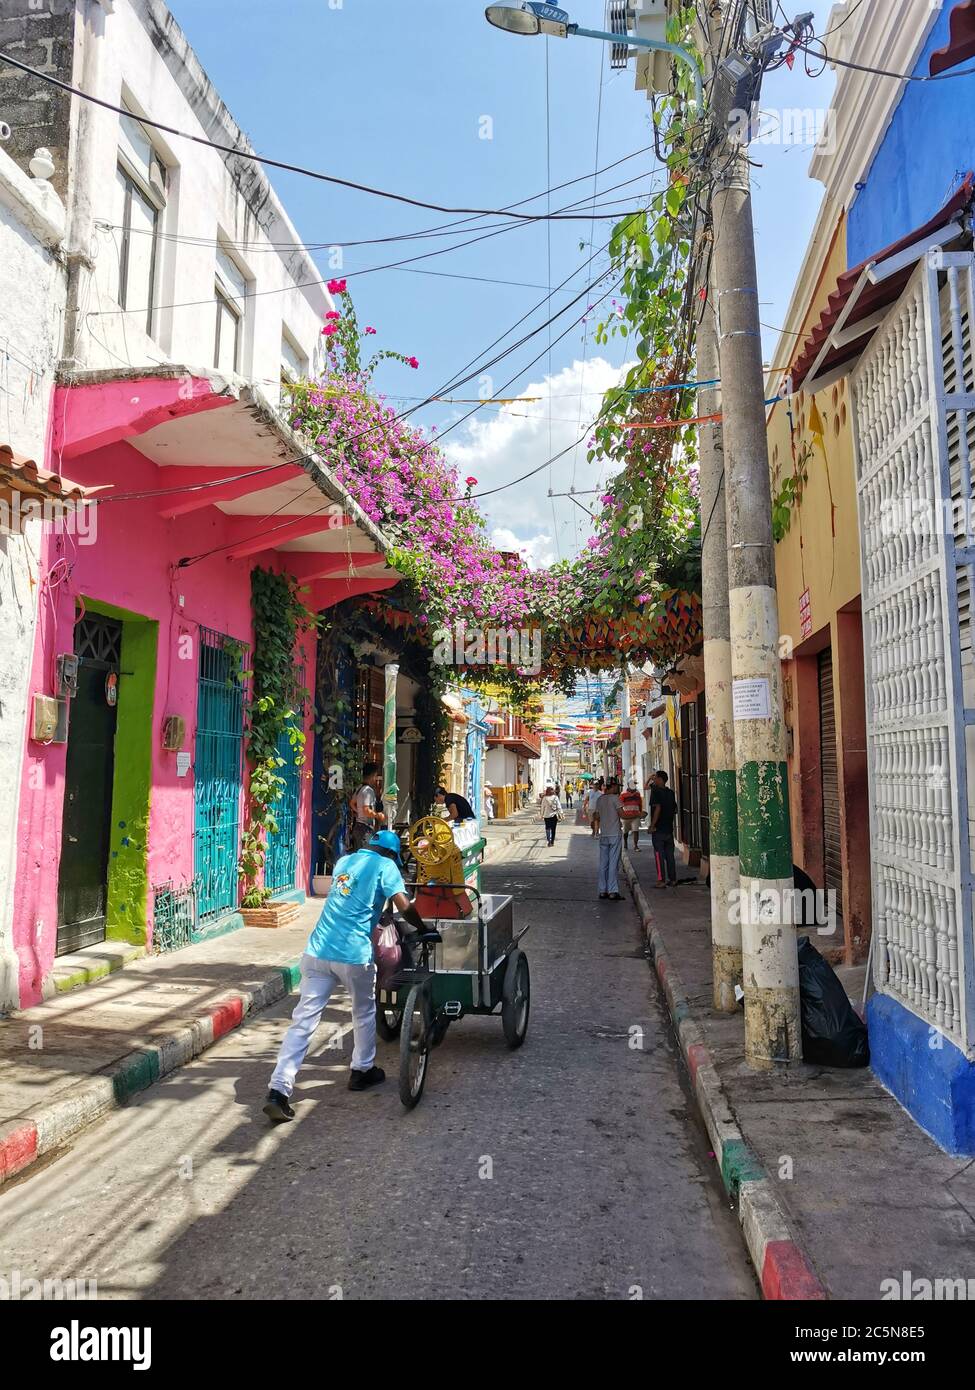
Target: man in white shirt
pixel 607 825
pixel 366 812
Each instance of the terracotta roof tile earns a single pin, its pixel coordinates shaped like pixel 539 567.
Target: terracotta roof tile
pixel 874 297
pixel 24 472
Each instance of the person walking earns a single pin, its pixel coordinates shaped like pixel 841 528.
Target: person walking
pixel 340 952
pixel 631 811
pixel 607 826
pixel 551 813
pixel 488 801
pixel 568 796
pixel 592 796
pixel 663 813
pixel 367 813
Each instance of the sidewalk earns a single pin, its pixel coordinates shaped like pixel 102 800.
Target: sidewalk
pixel 79 1054
pixel 825 1158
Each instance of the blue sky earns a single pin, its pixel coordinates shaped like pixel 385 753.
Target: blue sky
pixel 402 96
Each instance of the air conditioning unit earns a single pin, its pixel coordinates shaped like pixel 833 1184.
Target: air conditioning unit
pixel 645 19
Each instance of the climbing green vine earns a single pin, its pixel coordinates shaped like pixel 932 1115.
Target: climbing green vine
pixel 788 496
pixel 280 618
pixel 648 531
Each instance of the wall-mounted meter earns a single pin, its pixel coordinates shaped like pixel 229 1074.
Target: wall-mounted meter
pixel 66 668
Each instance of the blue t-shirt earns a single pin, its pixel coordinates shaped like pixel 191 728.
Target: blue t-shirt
pixel 361 884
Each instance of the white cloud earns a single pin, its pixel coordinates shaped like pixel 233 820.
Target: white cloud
pixel 503 443
pixel 538 550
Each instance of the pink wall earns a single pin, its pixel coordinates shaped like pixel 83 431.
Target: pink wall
pixel 131 566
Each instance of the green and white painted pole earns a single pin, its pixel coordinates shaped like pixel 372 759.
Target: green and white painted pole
pixel 722 792
pixel 390 787
pixel 769 957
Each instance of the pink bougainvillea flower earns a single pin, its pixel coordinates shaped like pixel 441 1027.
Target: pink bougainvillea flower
pixel 643 598
pixel 333 314
pixel 370 330
pixel 412 362
pixel 471 482
pixel 336 286
pixel 329 330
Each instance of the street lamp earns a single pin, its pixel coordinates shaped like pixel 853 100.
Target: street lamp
pixel 531 17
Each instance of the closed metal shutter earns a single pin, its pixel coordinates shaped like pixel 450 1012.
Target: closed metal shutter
pixel 694 817
pixel 829 772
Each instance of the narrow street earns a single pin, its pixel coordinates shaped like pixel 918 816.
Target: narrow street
pixel 573 1168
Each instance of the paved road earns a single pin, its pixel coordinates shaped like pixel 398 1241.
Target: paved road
pixel 570 1169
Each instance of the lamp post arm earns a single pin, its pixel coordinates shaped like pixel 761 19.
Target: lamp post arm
pixel 657 45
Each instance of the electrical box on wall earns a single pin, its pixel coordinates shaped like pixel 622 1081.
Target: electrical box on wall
pixel 173 733
pixel 49 719
pixel 67 674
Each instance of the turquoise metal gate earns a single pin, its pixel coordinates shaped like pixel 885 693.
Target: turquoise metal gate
pixel 281 859
pixel 221 693
pixel 281 862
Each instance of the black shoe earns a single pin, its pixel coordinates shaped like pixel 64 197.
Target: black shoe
pixel 616 897
pixel 362 1080
pixel 278 1108
pixel 603 895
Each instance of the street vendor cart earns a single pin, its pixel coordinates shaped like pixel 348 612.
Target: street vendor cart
pixel 458 966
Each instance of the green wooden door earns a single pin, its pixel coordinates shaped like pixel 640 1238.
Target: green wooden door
pixel 89 773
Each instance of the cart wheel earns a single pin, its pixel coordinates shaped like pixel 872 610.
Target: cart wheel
pixel 388 1022
pixel 414 1046
pixel 516 999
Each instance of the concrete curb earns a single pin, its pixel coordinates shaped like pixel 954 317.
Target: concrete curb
pixel 28 1137
pixel 784 1270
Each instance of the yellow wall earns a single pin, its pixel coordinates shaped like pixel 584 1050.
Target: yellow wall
pixel 821 553
pixel 811 556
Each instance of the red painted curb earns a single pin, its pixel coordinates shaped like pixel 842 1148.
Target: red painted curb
pixel 226 1016
pixel 697 1056
pixel 18 1149
pixel 661 964
pixel 786 1276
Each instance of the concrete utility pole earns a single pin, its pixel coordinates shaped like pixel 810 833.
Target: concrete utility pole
pixel 722 792
pixel 769 961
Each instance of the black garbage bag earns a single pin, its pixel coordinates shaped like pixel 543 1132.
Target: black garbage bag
pixel 832 1034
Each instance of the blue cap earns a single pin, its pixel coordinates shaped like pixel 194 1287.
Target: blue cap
pixel 387 839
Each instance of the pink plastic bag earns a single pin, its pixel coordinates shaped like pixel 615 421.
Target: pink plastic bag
pixel 388 952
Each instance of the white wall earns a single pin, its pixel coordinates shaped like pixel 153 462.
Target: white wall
pixel 501 767
pixel 32 297
pixel 144 61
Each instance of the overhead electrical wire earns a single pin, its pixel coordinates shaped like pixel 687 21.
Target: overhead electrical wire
pixel 443 229
pixel 271 163
pixel 323 280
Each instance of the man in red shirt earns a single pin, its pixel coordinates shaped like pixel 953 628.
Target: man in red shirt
pixel 631 814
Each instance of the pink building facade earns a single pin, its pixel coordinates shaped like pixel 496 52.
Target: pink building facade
pixel 144 635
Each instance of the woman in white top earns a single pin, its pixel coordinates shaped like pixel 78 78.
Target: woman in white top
pixel 551 811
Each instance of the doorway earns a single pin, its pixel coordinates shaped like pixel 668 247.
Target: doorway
pixel 830 778
pixel 88 785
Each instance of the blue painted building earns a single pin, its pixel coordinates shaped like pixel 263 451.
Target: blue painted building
pixel 927 150
pixel 909 437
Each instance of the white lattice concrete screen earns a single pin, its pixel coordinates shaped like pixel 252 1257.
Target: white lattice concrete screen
pixel 908 497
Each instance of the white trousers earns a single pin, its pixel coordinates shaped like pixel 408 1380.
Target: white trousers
pixel 318 980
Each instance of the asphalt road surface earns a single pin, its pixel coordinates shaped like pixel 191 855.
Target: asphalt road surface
pixel 572 1168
